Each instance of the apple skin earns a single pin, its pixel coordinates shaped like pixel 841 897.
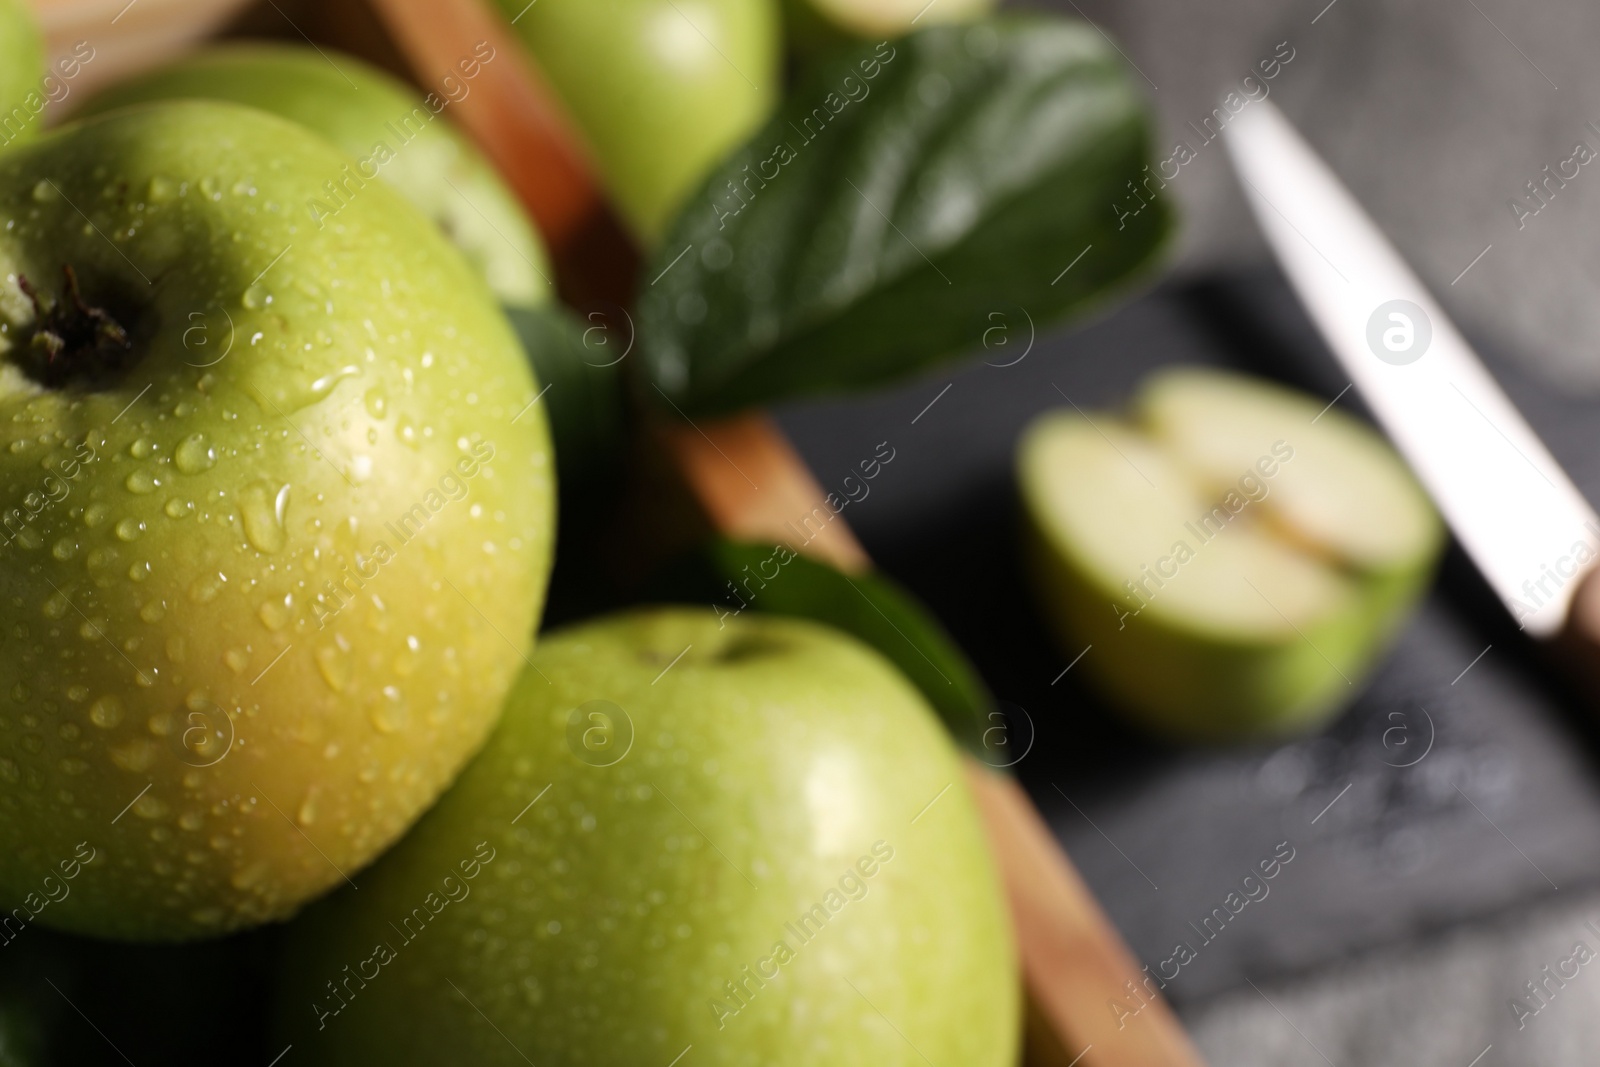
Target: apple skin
pixel 661 89
pixel 819 21
pixel 21 70
pixel 359 107
pixel 609 900
pixel 186 695
pixel 1209 688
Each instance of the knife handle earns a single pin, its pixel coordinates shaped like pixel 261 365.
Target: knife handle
pixel 1578 642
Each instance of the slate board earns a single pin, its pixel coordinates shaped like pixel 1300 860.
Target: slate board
pixel 1501 809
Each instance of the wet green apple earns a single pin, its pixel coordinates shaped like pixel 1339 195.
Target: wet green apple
pixel 275 520
pixel 388 131
pixel 22 97
pixel 661 89
pixel 1234 554
pixel 752 839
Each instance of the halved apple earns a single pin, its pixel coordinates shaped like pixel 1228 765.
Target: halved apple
pixel 1236 554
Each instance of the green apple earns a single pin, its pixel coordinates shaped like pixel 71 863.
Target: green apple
pixel 885 18
pixel 661 89
pixel 22 97
pixel 753 839
pixel 275 520
pixel 1235 555
pixel 387 130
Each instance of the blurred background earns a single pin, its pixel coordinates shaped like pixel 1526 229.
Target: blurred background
pixel 1458 856
pixel 1445 829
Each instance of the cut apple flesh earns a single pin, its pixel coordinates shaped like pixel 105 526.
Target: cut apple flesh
pixel 1126 511
pixel 1344 493
pixel 1236 560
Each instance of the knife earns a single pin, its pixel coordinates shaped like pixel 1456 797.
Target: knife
pixel 1516 513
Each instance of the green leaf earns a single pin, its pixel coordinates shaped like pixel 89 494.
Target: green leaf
pixel 580 370
pixel 871 607
pixel 904 193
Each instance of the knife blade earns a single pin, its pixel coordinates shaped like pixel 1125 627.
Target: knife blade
pixel 1508 502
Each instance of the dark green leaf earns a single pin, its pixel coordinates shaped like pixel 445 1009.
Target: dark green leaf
pixel 903 194
pixel 870 607
pixel 580 370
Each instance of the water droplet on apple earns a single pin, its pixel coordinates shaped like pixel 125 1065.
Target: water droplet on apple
pixel 406 430
pixel 129 529
pixel 262 510
pixel 325 384
pixel 64 548
pixel 142 482
pixel 236 659
pixel 377 402
pixel 95 514
pixel 149 806
pixel 153 610
pixel 136 755
pixel 274 614
pixel 44 191
pixel 308 808
pixel 254 297
pixel 195 454
pixel 141 448
pixel 178 509
pixel 208 186
pixel 191 820
pixel 161 190
pixel 391 712
pixel 248 876
pixel 334 666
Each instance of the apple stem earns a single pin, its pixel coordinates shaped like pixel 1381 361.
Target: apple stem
pixel 75 328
